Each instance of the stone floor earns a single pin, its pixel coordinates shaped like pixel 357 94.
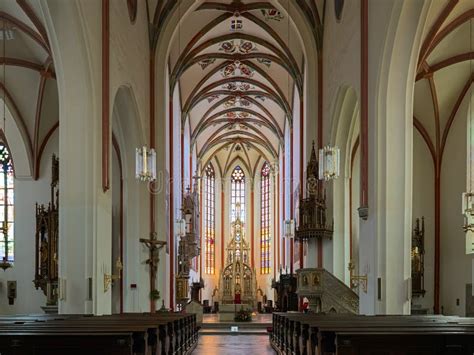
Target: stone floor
pixel 256 318
pixel 233 344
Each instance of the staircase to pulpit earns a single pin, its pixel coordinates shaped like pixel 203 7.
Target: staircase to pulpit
pixel 325 292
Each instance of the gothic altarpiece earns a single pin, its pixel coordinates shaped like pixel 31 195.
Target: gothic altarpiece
pixel 46 244
pixel 188 246
pixel 238 283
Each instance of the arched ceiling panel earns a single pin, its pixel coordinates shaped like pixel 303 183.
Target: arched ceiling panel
pixel 237 64
pixel 30 78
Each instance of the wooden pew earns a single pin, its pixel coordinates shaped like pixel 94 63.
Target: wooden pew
pixel 163 333
pixel 348 334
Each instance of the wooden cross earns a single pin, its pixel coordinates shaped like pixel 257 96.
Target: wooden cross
pixel 154 246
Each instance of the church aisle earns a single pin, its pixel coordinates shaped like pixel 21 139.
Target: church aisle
pixel 233 344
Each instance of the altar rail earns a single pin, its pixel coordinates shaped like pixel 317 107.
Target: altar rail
pixel 311 334
pixel 130 333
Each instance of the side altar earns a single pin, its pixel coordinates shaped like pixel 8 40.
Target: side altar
pixel 237 283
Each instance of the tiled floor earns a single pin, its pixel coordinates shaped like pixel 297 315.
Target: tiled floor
pixel 233 345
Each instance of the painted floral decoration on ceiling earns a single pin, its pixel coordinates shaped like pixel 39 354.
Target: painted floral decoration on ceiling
pixel 265 61
pixel 272 14
pixel 212 98
pixel 242 46
pixel 233 68
pixel 233 101
pixel 206 62
pixel 237 86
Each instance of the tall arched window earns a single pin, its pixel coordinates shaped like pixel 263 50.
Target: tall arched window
pixel 237 195
pixel 6 205
pixel 265 219
pixel 210 219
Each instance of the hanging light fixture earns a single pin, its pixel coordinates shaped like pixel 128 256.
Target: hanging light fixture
pixel 145 160
pixel 289 230
pixel 468 197
pixel 329 158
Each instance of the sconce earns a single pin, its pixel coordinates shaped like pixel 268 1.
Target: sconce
pixel 109 278
pixel 289 230
pixel 357 280
pixel 468 211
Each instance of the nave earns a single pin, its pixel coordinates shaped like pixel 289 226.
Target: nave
pixel 236 175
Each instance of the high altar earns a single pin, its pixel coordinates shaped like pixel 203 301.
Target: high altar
pixel 237 283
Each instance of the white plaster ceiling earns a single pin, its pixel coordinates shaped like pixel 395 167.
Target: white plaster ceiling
pixel 445 72
pixel 237 86
pixel 29 74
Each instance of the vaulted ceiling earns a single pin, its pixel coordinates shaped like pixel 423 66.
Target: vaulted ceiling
pixel 445 71
pixel 29 83
pixel 237 65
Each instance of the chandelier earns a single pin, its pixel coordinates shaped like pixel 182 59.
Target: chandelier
pixel 329 163
pixel 145 160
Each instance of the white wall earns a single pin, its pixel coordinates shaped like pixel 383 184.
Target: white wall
pixel 27 193
pixel 455 264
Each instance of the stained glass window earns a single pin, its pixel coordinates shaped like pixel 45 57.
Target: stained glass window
pixel 7 211
pixel 237 197
pixel 210 220
pixel 265 219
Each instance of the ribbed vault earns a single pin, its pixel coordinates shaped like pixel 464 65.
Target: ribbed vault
pixel 238 67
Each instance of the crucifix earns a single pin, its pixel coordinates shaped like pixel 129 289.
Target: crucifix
pixel 154 246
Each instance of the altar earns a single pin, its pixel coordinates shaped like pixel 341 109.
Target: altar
pixel 237 283
pixel 227 312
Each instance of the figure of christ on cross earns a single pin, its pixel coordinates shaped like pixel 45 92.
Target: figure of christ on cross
pixel 154 246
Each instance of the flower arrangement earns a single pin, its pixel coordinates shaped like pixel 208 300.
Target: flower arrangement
pixel 244 315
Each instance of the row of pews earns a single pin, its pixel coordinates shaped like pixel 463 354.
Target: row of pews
pixel 129 333
pixel 311 334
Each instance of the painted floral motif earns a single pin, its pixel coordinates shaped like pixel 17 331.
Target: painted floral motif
pixel 246 46
pixel 245 70
pixel 243 47
pixel 265 61
pixel 236 115
pixel 212 98
pixel 231 69
pixel 272 14
pixel 227 47
pixel 237 86
pixel 260 97
pixel 245 103
pixel 234 100
pixel 206 62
